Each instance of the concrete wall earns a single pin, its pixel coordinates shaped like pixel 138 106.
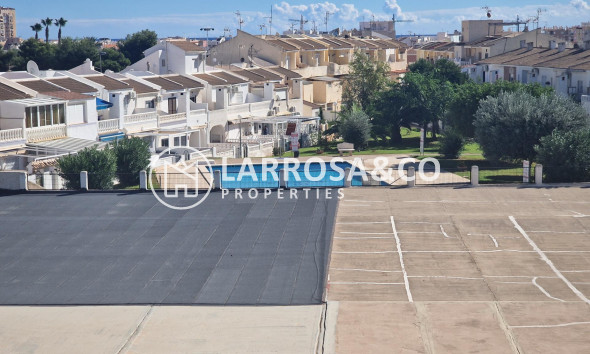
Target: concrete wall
pixel 237 48
pixel 13 180
pixel 477 29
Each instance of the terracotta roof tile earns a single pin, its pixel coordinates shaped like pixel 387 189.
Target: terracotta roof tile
pixel 138 87
pixel 187 46
pixel 73 85
pixel 10 93
pixel 164 83
pixel 68 96
pixel 109 83
pixel 40 85
pixel 185 82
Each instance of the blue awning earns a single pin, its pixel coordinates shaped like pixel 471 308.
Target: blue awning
pixel 102 104
pixel 112 137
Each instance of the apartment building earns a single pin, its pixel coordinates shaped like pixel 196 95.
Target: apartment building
pixel 7 24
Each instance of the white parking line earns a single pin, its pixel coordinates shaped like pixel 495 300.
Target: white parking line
pixel 367 270
pixel 545 291
pixel 362 222
pixel 442 229
pixel 361 283
pixel 442 276
pixel 548 261
pixel 365 238
pixel 401 261
pixel 555 325
pixel 365 233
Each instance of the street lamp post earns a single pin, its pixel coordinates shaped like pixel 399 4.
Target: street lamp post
pixel 241 147
pixel 100 59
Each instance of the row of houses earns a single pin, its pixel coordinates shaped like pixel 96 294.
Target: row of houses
pixel 46 114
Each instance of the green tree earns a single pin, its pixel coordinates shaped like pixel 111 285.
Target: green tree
pixel 47 22
pixel 9 59
pixel 135 44
pixel 510 125
pixel 355 127
pixel 41 53
pixel 442 69
pixel 451 144
pixel 73 52
pixel 389 114
pixel 462 109
pixel 364 81
pixel 61 22
pixel 101 166
pixel 133 155
pixel 114 60
pixel 565 156
pixel 37 27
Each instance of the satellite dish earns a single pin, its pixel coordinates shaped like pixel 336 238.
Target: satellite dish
pixel 489 14
pixel 33 68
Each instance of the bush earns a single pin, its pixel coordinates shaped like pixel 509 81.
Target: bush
pixel 133 155
pixel 101 166
pixel 355 128
pixel 510 125
pixel 276 151
pixel 451 144
pixel 565 156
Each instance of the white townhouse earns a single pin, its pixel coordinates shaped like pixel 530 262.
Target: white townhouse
pixel 172 57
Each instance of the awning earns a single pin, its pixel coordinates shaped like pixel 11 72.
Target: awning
pixel 111 137
pixel 102 104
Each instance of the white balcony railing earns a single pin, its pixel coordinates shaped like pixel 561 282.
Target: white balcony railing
pixel 140 118
pixel 50 132
pixel 11 134
pixel 172 117
pixel 108 125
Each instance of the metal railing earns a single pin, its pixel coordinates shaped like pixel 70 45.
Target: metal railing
pixel 11 134
pixel 108 125
pixel 51 132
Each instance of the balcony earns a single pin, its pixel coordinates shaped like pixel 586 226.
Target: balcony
pixel 168 118
pixel 11 135
pixel 140 118
pixel 50 132
pixel 108 126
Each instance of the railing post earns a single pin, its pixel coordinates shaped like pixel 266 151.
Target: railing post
pixel 235 152
pixel 217 180
pixel 143 180
pixel 475 176
pixel 282 179
pixel 411 176
pixel 84 180
pixel 539 174
pixel 347 179
pixel 214 152
pixel 47 180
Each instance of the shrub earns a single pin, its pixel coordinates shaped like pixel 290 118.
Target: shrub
pixel 133 155
pixel 101 166
pixel 565 156
pixel 451 144
pixel 355 128
pixel 510 125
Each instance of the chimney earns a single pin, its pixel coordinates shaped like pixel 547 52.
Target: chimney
pixel 561 47
pixel 552 44
pixel 522 44
pixel 529 46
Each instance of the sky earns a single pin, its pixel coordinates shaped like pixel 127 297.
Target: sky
pixel 116 18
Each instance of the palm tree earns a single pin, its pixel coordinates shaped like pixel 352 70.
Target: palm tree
pixel 37 28
pixel 61 22
pixel 47 22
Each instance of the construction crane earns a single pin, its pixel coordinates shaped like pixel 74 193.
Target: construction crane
pixel 302 22
pixel 240 21
pixel 396 21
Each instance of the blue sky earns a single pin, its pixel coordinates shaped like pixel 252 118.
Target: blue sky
pixel 116 18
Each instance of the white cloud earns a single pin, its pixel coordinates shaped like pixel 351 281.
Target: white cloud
pixel 580 4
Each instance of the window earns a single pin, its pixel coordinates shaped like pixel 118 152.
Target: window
pixel 55 114
pixel 194 99
pixel 163 62
pixel 150 104
pixel 165 142
pixel 45 115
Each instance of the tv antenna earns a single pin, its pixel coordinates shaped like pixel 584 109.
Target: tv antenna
pixel 240 21
pixel 226 30
pixel 262 27
pixel 328 13
pixel 302 22
pixel 536 19
pixel 269 21
pixel 488 11
pixel 314 28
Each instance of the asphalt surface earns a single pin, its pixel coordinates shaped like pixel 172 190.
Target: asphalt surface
pixel 126 248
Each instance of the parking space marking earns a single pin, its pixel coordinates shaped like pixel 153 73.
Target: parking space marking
pixel 555 325
pixel 548 261
pixel 367 270
pixel 545 291
pixel 401 261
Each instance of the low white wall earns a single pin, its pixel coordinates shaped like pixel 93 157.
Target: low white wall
pixel 13 180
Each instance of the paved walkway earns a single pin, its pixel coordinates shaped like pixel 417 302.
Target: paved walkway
pixel 441 270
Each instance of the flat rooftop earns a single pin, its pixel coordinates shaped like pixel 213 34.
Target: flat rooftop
pixel 126 248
